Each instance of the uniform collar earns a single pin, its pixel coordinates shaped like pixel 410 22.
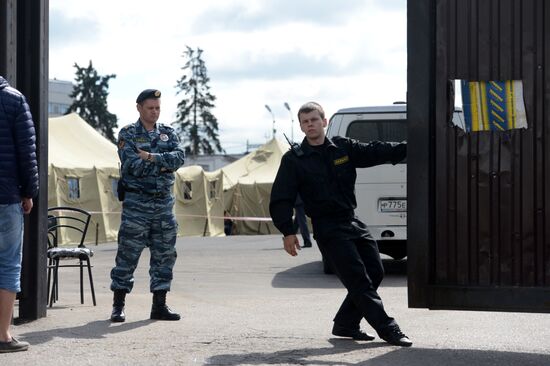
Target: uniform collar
pixel 141 130
pixel 306 147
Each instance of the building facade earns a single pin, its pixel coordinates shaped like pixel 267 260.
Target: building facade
pixel 58 97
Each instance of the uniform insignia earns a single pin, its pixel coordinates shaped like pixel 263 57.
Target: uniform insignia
pixel 342 160
pixel 121 144
pixel 157 93
pixel 140 140
pixel 164 137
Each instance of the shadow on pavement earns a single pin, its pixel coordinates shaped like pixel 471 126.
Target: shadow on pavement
pixel 299 356
pixel 307 275
pixel 398 357
pixel 310 275
pixel 93 330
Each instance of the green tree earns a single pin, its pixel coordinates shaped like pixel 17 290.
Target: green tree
pixel 90 100
pixel 195 123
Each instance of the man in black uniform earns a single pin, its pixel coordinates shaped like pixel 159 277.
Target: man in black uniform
pixel 322 171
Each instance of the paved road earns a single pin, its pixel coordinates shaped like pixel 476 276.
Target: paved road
pixel 245 302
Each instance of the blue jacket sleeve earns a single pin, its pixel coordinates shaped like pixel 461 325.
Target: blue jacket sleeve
pixel 25 145
pixel 171 160
pixel 131 163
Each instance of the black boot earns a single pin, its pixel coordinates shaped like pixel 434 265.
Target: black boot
pixel 118 315
pixel 159 310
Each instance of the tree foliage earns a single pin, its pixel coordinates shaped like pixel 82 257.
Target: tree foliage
pixel 90 100
pixel 195 123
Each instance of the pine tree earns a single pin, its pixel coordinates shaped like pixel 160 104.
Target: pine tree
pixel 195 123
pixel 90 100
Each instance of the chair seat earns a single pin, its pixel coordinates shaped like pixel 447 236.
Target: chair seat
pixel 57 253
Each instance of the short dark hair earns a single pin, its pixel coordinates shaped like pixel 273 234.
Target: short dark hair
pixel 310 107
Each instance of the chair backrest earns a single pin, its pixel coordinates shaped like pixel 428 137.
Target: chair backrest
pixel 53 231
pixel 71 219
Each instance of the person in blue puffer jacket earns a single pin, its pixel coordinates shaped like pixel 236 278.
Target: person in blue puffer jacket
pixel 18 186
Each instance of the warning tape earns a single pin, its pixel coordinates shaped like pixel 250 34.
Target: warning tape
pixel 234 218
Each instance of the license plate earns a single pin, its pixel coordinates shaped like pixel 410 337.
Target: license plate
pixel 392 205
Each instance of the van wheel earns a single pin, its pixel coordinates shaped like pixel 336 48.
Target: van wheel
pixel 397 249
pixel 398 254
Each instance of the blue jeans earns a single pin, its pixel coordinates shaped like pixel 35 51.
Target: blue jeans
pixel 11 246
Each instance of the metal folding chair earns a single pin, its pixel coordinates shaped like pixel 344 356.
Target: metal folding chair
pixel 68 224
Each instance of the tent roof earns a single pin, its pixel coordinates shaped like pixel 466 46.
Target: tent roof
pixel 194 171
pixel 73 143
pixel 260 165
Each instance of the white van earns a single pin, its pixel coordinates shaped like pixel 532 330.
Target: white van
pixel 381 190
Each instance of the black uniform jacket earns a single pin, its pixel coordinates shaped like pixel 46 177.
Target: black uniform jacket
pixel 325 179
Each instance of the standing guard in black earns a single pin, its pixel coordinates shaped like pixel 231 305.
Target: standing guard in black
pixel 322 171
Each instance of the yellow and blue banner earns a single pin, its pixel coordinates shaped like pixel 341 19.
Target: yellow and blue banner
pixel 493 105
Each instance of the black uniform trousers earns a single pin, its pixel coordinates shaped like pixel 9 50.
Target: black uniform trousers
pixel 358 265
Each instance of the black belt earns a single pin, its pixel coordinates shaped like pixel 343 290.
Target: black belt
pixel 152 194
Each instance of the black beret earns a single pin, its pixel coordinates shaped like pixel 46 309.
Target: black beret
pixel 148 94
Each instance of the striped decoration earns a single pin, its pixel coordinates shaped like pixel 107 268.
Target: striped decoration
pixel 493 105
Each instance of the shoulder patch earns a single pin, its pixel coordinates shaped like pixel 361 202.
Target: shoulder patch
pixel 342 160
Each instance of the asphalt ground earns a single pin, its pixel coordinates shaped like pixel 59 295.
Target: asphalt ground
pixel 244 301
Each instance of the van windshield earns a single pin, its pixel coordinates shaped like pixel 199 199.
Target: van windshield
pixel 386 130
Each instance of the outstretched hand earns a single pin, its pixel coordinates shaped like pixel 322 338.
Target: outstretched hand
pixel 291 243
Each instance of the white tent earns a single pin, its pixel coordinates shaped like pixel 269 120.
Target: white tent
pixel 83 172
pixel 199 202
pixel 247 186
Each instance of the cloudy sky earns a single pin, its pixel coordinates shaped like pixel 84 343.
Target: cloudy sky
pixel 339 53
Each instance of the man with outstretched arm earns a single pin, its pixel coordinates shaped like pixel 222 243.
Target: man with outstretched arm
pixel 323 172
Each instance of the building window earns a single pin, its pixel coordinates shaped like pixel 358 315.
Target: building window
pixel 187 191
pixel 213 191
pixel 57 108
pixel 114 186
pixel 74 188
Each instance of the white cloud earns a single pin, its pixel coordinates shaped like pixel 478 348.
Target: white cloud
pixel 268 52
